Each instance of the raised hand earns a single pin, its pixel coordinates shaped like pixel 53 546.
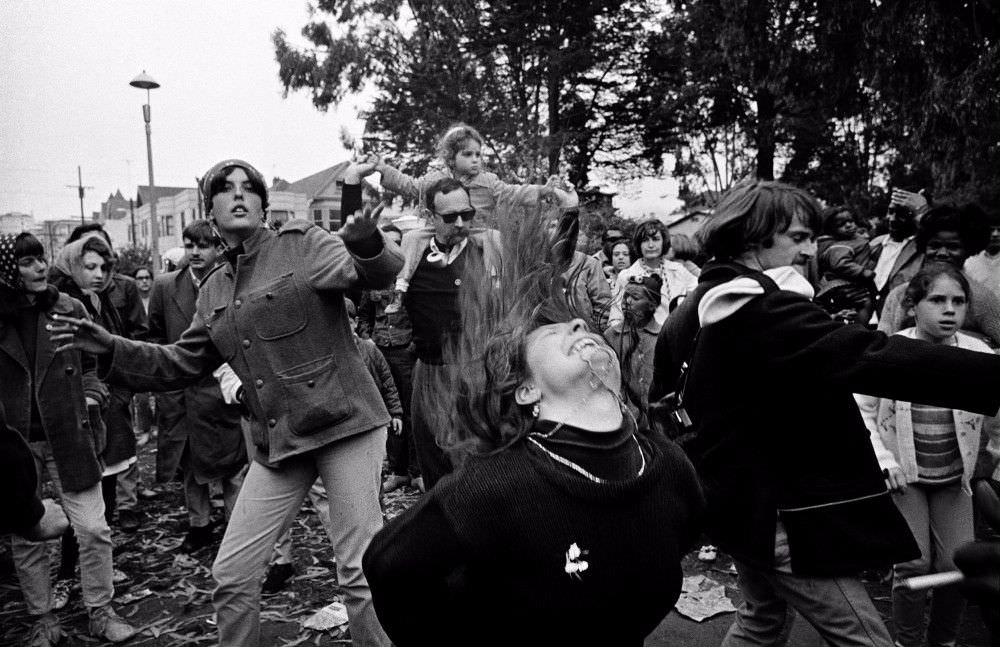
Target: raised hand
pixel 363 166
pixel 915 202
pixel 362 225
pixel 69 333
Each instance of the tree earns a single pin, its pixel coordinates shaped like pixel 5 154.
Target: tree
pixel 549 84
pixel 132 258
pixel 773 70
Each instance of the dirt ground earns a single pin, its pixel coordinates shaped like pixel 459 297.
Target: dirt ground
pixel 168 594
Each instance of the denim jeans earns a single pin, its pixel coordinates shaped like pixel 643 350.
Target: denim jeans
pixel 85 510
pixel 940 518
pixel 837 607
pixel 268 502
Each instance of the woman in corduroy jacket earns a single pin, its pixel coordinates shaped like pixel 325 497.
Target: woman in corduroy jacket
pixel 53 400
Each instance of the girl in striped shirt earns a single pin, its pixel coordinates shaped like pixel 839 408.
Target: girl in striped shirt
pixel 928 455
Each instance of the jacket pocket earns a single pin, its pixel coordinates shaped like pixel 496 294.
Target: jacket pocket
pixel 277 309
pixel 315 396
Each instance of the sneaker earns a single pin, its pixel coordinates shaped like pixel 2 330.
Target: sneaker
pixel 418 483
pixel 44 632
pixel 277 578
pixel 708 553
pixel 62 590
pixel 129 520
pixel 197 538
pixel 395 481
pixel 107 624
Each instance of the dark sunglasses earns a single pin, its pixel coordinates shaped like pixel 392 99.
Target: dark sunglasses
pixel 466 215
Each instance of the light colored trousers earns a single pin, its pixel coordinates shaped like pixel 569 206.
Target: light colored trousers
pixel 837 607
pixel 268 502
pixel 85 510
pixel 317 494
pixel 940 518
pixel 198 497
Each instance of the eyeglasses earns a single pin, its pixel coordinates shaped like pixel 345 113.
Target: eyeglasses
pixel 466 215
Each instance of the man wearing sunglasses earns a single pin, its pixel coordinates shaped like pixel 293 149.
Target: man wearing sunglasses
pixel 431 301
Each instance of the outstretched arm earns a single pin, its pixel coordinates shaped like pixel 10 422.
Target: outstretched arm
pixel 141 366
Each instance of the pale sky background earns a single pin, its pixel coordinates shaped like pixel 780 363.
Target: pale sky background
pixel 65 71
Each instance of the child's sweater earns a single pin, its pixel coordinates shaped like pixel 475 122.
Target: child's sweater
pixel 890 426
pixel 843 262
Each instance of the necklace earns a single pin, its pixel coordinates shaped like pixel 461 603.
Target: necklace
pixel 579 470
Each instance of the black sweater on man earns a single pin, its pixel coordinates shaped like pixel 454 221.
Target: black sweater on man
pixel 497 550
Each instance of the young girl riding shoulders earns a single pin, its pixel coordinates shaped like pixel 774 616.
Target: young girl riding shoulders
pixel 460 152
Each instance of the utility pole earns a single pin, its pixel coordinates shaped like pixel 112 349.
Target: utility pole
pixel 131 210
pixel 79 187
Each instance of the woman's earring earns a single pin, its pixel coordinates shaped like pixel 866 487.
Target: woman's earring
pixel 534 410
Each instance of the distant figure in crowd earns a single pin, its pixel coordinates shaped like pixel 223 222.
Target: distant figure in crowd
pixel 651 241
pixel 845 266
pixel 392 332
pixel 984 267
pixel 198 432
pixel 950 234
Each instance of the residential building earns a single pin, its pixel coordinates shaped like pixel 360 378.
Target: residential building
pixel 16 222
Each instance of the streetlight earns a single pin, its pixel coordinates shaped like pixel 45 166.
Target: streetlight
pixel 146 82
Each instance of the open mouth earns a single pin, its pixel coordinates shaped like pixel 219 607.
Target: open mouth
pixel 239 211
pixel 581 345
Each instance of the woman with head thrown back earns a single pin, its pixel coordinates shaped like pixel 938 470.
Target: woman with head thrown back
pixel 562 510
pixel 275 312
pixel 53 399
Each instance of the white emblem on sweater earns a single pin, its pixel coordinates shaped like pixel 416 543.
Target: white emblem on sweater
pixel 575 565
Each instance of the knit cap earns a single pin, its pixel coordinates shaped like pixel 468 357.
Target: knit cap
pixel 216 171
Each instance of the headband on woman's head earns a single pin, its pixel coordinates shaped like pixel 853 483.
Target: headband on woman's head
pixel 213 173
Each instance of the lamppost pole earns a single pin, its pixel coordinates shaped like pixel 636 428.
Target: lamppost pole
pixel 146 82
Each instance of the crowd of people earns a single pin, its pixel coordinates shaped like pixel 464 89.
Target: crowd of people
pixel 816 397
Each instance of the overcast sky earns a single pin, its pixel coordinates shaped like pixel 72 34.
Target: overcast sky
pixel 65 72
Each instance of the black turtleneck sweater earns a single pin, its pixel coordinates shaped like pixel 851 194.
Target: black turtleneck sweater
pixel 493 547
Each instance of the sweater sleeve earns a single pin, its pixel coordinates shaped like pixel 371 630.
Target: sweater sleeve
pixel 408 565
pixel 984 312
pixel 893 312
pixel 396 181
pixel 380 370
pixel 839 261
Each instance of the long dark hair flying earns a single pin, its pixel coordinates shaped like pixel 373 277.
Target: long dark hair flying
pixel 528 288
